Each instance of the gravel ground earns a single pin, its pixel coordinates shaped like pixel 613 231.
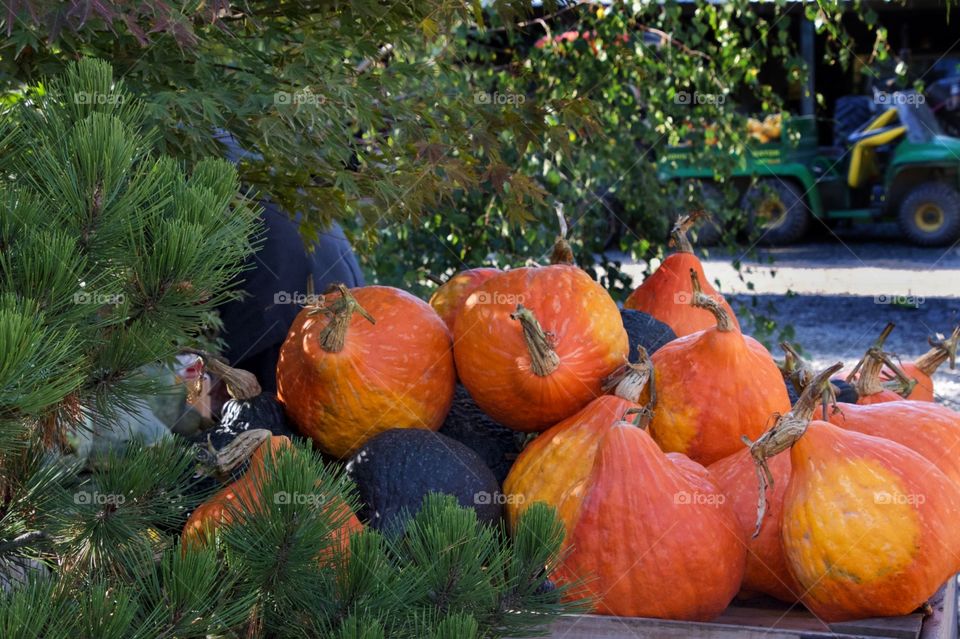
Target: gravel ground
pixel 838 292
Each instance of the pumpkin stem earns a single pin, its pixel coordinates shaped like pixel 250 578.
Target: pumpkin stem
pixel 678 234
pixel 795 369
pixel 876 346
pixel 543 359
pixel 871 366
pixel 644 415
pixel 787 430
pixel 562 252
pixel 340 311
pixel 221 463
pixel 240 384
pixel 706 302
pixel 941 350
pixel 628 381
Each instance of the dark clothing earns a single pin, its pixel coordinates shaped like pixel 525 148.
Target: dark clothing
pixel 275 288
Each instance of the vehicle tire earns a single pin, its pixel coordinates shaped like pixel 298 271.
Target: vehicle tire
pixel 850 112
pixel 930 214
pixel 702 195
pixel 776 212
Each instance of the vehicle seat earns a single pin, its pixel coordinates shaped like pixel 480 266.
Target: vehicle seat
pixel 865 142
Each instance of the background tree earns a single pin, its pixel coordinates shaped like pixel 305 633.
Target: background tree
pixel 467 120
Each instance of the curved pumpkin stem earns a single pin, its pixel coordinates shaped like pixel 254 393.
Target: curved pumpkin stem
pixel 865 376
pixel 706 302
pixel 678 234
pixel 644 415
pixel 941 350
pixel 787 430
pixel 221 463
pixel 875 347
pixel 240 384
pixel 628 381
pixel 795 369
pixel 562 252
pixel 543 359
pixel 340 311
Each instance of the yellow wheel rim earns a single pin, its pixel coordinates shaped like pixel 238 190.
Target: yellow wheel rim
pixel 928 217
pixel 771 213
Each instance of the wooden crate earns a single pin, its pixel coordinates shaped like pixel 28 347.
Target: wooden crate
pixel 769 620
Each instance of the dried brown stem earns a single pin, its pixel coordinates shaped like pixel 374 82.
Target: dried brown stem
pixel 628 381
pixel 543 359
pixel 708 303
pixel 787 430
pixel 340 311
pixel 941 350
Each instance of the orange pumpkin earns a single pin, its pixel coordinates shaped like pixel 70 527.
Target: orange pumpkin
pixel 364 361
pixel 766 570
pixel 868 525
pixel 667 292
pixel 678 551
pixel 713 387
pixel 449 298
pixel 246 492
pixel 924 427
pixel 533 344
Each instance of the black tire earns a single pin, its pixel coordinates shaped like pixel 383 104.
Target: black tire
pixel 850 112
pixel 930 214
pixel 695 195
pixel 776 212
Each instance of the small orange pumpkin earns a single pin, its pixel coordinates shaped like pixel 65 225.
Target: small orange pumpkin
pixel 666 293
pixel 533 344
pixel 868 525
pixel 448 299
pixel 670 523
pixel 244 492
pixel 714 387
pixel 364 361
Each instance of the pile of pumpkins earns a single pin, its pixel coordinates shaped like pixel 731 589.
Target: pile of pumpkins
pixel 685 463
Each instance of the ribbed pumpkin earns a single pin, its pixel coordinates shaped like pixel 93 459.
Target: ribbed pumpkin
pixel 924 427
pixel 533 344
pixel 364 361
pixel 666 293
pixel 246 492
pixel 766 570
pixel 448 299
pixel 868 525
pixel 648 534
pixel 713 387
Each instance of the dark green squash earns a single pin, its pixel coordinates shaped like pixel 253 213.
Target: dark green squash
pixel 645 330
pixel 497 445
pixel 394 470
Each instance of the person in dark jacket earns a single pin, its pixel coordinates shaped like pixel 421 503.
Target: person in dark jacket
pixel 275 286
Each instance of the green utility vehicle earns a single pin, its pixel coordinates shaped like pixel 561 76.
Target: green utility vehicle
pixel 898 164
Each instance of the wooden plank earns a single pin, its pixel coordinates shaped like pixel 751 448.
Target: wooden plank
pixel 769 619
pixel 942 624
pixel 601 627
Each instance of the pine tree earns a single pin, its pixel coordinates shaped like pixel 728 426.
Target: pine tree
pixel 112 259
